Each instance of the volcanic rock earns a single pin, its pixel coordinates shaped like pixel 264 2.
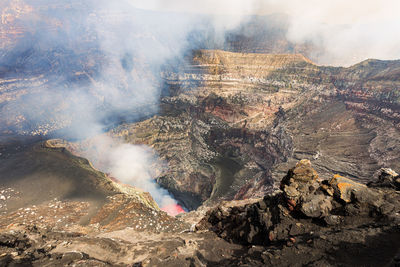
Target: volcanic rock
pixel 229 132
pixel 302 191
pixel 231 123
pixel 235 131
pixel 124 230
pixel 387 178
pixel 345 188
pixel 273 221
pixel 303 172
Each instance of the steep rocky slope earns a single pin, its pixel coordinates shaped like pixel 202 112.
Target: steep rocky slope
pixel 234 122
pixel 312 222
pixel 43 184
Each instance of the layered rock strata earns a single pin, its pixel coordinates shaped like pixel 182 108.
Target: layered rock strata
pixel 261 113
pixel 233 123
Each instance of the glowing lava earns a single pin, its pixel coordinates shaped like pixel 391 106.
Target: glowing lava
pixel 173 209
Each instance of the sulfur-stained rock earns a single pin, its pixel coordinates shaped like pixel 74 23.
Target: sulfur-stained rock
pixel 344 187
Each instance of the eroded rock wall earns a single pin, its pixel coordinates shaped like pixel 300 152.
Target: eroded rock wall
pixel 258 114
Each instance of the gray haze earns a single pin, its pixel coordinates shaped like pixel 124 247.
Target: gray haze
pixel 346 31
pixel 102 59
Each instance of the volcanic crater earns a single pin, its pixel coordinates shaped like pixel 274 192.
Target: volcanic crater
pixel 258 155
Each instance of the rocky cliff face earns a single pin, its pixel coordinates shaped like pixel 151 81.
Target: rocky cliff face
pixel 235 122
pixel 228 125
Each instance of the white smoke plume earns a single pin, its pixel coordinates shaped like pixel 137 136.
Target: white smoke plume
pixel 136 165
pixel 346 31
pixel 119 51
pixel 125 43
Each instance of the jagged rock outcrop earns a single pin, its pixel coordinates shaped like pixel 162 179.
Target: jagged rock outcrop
pixel 387 178
pixel 316 219
pixel 302 191
pixel 311 222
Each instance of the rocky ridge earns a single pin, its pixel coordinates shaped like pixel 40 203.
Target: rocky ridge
pixel 310 222
pixel 316 222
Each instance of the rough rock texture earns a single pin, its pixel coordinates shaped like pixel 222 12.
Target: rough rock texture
pixel 316 221
pixel 45 185
pixel 260 113
pixel 301 189
pixel 230 123
pixel 208 159
pixel 34 246
pixel 314 226
pixel 233 123
pixel 387 178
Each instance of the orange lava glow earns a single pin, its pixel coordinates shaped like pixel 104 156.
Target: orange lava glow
pixel 173 209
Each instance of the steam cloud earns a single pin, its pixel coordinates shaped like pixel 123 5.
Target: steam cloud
pixel 120 47
pixel 118 52
pixel 347 32
pixel 136 165
pixel 133 165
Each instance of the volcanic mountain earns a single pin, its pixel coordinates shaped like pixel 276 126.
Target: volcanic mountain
pixel 231 127
pixel 275 159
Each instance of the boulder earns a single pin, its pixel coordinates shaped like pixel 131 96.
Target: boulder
pixel 303 191
pixel 303 172
pixel 299 181
pixel 358 198
pixel 344 187
pixel 386 178
pixel 317 207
